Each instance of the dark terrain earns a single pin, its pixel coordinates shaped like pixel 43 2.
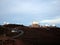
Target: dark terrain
pixel 28 35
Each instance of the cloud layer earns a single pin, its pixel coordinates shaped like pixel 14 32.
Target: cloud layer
pixel 52 21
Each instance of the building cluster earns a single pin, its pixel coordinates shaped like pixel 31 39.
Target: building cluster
pixel 37 25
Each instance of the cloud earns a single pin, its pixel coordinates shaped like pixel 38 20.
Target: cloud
pixel 52 21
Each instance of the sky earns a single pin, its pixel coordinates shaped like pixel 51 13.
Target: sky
pixel 26 11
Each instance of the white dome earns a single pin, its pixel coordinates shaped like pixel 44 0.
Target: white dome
pixel 35 22
pixel 46 25
pixel 53 25
pixel 6 22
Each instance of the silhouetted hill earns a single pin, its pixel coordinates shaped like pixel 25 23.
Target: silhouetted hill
pixel 33 36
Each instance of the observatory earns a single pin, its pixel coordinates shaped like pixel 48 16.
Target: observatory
pixel 35 24
pixel 5 23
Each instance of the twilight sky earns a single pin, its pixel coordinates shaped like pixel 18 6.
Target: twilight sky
pixel 26 11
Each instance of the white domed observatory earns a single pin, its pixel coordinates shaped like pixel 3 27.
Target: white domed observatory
pixel 35 24
pixel 53 25
pixel 5 23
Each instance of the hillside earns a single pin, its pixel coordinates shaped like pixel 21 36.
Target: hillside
pixel 30 35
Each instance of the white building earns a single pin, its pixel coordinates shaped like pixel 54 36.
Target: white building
pixel 35 24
